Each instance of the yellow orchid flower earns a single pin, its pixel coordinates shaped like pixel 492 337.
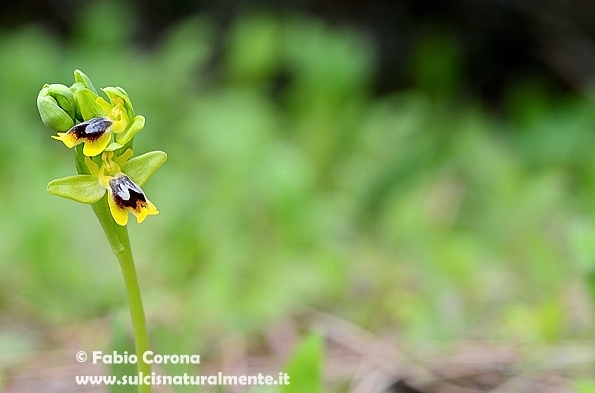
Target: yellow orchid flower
pixel 121 178
pixel 94 133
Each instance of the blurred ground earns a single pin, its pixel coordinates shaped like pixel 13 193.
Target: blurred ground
pixel 355 361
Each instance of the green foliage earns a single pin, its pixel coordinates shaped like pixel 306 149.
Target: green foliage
pixel 305 367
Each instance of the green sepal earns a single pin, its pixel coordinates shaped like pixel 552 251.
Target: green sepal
pixel 140 168
pixel 51 113
pixel 87 104
pixel 138 123
pixel 115 93
pixel 80 76
pixel 79 188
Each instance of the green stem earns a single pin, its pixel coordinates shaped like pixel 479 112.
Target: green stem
pixel 118 238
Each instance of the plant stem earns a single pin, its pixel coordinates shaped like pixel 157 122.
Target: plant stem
pixel 118 238
pixel 137 313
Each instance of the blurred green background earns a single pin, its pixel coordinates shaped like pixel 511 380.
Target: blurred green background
pixel 297 180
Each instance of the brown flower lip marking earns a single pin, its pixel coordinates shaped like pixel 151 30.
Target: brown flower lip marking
pixel 91 130
pixel 127 194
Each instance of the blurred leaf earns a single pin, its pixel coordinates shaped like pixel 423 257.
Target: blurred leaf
pixel 585 386
pixel 254 50
pixel 104 26
pixel 305 367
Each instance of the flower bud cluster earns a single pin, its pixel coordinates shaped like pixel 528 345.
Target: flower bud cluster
pixel 68 110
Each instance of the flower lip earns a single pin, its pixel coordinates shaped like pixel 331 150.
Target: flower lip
pixel 94 133
pixel 127 194
pixel 91 130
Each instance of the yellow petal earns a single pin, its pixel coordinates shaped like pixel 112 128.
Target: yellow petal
pixel 68 138
pixel 95 133
pixel 97 146
pixel 142 211
pixel 124 157
pixel 103 104
pixel 120 119
pixel 120 215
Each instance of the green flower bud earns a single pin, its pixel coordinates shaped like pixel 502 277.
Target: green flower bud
pixel 63 96
pixel 79 76
pixel 56 107
pixel 73 89
pixel 87 105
